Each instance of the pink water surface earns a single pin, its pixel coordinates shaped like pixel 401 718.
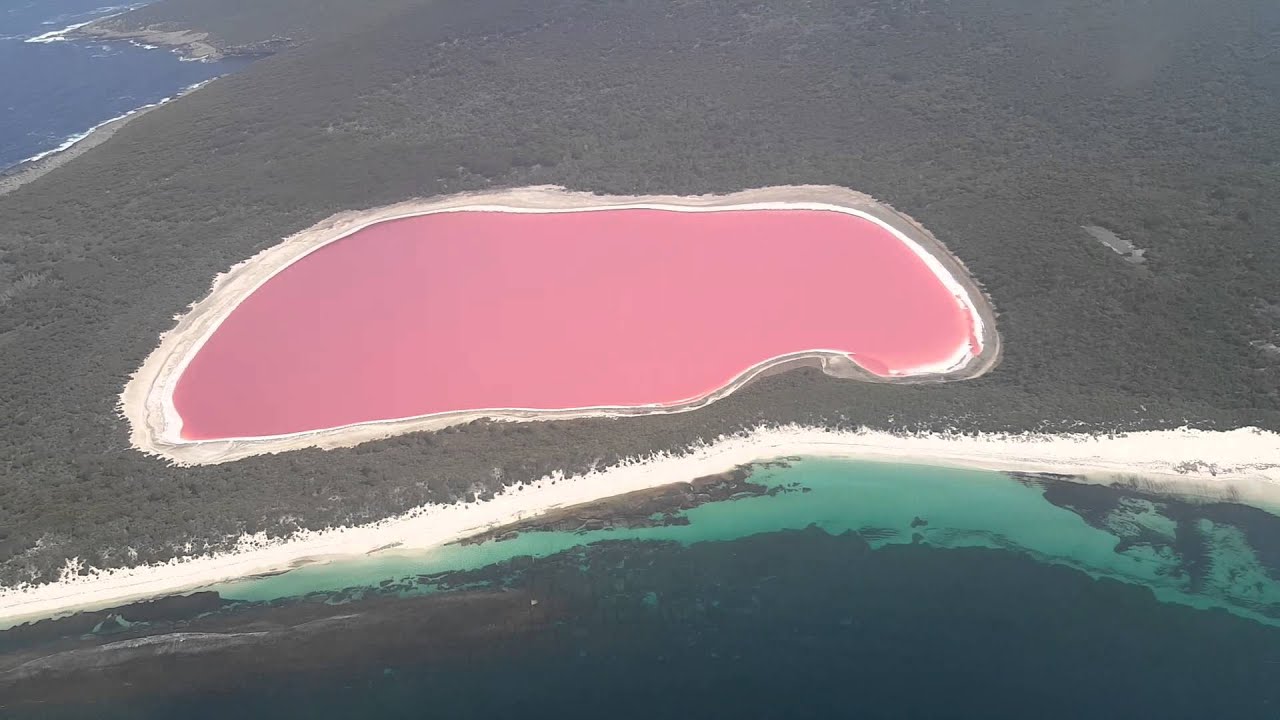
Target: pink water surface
pixel 485 310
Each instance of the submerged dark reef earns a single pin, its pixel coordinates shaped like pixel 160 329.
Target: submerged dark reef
pixel 770 621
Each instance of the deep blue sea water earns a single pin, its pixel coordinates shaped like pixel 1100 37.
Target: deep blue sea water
pixel 836 589
pixel 56 90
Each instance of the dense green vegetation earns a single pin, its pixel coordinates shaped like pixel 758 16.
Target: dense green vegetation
pixel 1002 125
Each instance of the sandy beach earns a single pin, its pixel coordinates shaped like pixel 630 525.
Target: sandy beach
pixel 156 425
pixel 1241 465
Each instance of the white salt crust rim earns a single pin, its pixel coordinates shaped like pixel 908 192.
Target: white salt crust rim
pixel 147 401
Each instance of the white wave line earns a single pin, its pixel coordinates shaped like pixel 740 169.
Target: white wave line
pixel 97 14
pixel 59 35
pixel 73 139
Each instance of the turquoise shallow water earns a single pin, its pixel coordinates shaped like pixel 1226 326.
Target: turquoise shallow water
pixel 861 589
pixel 1183 552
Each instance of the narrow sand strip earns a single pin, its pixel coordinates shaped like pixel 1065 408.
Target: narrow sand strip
pixel 156 426
pixel 1241 464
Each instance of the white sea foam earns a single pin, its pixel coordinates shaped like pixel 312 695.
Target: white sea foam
pixel 94 15
pixel 73 139
pixel 59 35
pixel 117 9
pixel 65 144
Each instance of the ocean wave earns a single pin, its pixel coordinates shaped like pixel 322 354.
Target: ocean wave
pixel 114 8
pixel 94 15
pixel 116 653
pixel 73 139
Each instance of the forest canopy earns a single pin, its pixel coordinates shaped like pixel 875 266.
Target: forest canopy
pixel 1004 126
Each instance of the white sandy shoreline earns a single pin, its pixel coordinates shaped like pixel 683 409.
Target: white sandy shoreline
pixel 1243 464
pixel 156 425
pixel 43 163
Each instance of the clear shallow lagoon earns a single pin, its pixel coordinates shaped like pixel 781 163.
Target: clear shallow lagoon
pixel 1131 538
pixel 854 589
pixel 51 92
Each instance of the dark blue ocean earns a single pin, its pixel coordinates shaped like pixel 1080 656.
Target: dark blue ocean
pixel 53 90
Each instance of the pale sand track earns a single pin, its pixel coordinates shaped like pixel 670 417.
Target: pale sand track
pixel 156 426
pixel 1242 465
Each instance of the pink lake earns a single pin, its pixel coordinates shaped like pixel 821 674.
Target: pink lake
pixel 608 308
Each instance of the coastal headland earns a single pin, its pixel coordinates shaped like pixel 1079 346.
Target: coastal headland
pixel 427 314
pixel 190 44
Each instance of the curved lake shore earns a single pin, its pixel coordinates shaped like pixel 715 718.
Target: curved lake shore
pixel 148 399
